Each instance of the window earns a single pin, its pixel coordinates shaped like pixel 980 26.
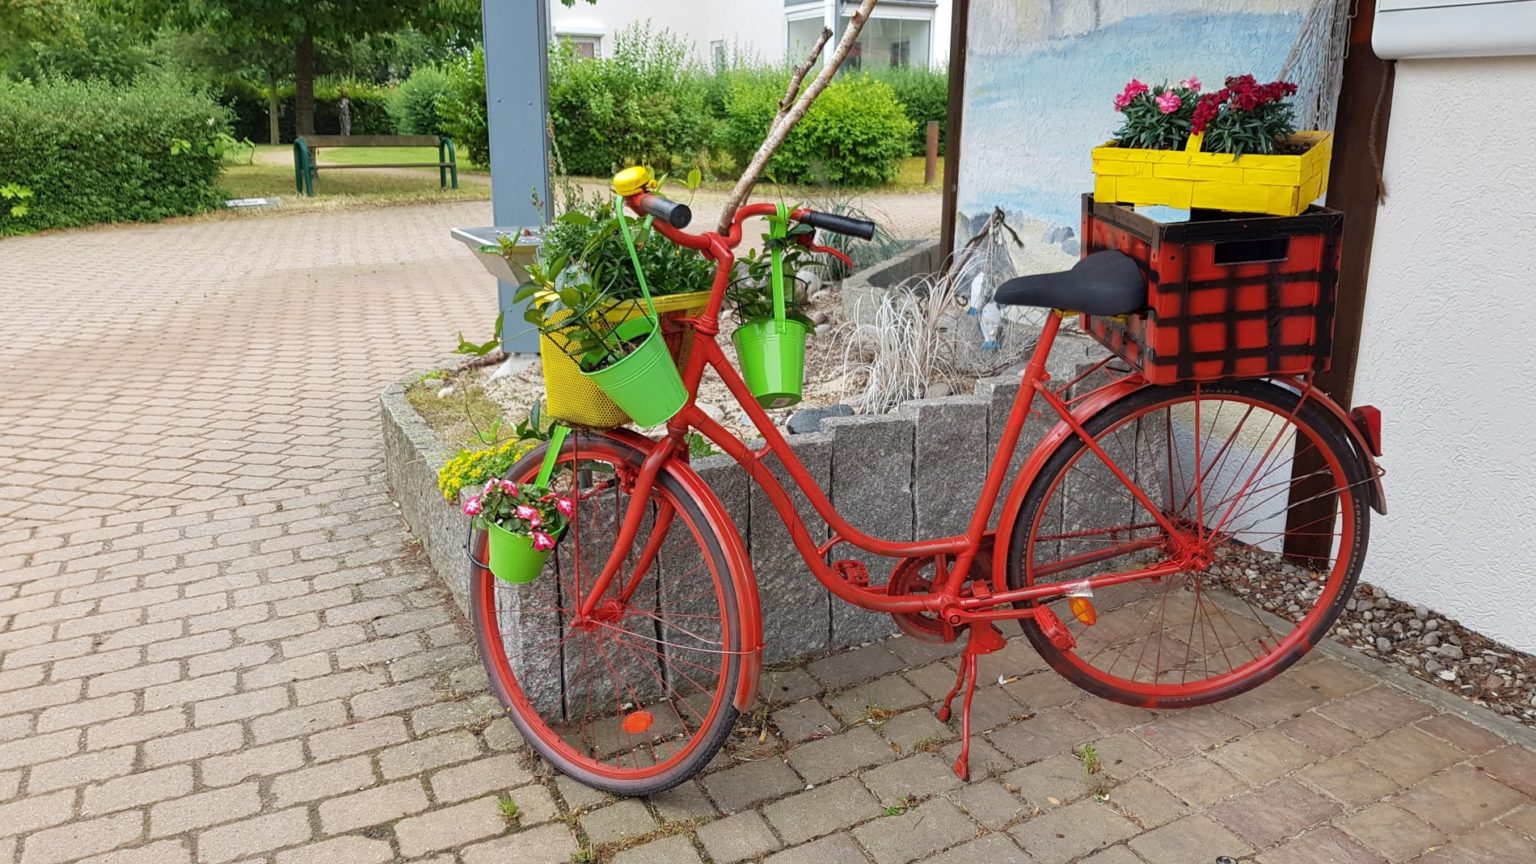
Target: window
pixel 586 46
pixel 717 54
pixel 901 53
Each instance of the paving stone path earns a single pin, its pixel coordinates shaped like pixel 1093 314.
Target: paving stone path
pixel 218 644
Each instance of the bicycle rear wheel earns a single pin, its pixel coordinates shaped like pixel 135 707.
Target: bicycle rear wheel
pixel 635 697
pixel 1271 522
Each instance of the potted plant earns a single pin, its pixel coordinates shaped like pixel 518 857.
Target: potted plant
pixel 770 343
pixel 523 522
pixel 585 249
pixel 1233 149
pixel 613 344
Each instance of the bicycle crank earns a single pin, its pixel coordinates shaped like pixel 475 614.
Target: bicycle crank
pixel 917 576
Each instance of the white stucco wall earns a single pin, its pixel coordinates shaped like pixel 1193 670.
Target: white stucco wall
pixel 1446 351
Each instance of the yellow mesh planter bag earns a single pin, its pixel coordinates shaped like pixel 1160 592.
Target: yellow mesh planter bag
pixel 1280 185
pixel 573 398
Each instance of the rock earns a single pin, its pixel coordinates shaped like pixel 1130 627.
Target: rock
pixel 1447 674
pixel 819 317
pixel 1421 612
pixel 1383 644
pixel 936 390
pixel 1432 665
pixel 1533 698
pixel 1351 604
pixel 1430 639
pixel 1450 652
pixel 1384 603
pixel 1494 682
pixel 820 297
pixel 811 279
pixel 1071 246
pixel 1432 625
pixel 714 411
pixel 809 419
pixel 445 392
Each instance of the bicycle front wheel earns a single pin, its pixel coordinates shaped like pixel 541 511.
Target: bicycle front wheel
pixel 1256 497
pixel 632 691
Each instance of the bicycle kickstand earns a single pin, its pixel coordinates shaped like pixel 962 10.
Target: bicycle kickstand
pixel 984 638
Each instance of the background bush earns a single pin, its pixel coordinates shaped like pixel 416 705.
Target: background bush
pixel 924 95
pixel 94 152
pixel 644 105
pixel 463 108
pixel 855 134
pixel 370 106
pixel 414 106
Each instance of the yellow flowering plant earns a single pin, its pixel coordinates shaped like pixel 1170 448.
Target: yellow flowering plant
pixel 470 468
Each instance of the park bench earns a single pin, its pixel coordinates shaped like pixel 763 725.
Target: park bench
pixel 306 149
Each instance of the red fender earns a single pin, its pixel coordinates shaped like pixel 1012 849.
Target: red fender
pixel 745 582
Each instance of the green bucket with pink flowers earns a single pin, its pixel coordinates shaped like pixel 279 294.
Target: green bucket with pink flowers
pixel 522 521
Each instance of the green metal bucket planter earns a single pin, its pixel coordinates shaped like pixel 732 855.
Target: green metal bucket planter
pixel 512 556
pixel 772 357
pixel 645 382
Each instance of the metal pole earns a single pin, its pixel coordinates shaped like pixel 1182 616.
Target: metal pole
pixel 516 52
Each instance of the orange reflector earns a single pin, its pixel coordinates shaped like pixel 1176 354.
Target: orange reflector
pixel 638 722
pixel 1083 609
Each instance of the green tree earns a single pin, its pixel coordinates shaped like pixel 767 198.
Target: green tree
pixel 304 26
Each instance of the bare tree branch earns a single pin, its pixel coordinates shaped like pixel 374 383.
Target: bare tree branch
pixel 786 120
pixel 799 75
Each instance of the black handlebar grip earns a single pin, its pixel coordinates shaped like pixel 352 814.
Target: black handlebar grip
pixel 860 228
pixel 674 214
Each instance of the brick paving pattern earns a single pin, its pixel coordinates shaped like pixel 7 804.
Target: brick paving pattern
pixel 218 644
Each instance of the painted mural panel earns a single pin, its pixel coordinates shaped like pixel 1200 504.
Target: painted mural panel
pixel 1040 76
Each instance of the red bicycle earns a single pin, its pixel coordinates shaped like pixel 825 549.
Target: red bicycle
pixel 1163 546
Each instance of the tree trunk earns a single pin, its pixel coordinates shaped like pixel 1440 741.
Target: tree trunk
pixel 274 136
pixel 304 88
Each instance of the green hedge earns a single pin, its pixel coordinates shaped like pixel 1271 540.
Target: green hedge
pixel 924 96
pixel 415 106
pixel 643 105
pixel 369 103
pixel 463 108
pixel 91 152
pixel 855 134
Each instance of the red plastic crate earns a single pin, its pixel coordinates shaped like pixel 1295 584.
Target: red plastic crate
pixel 1227 296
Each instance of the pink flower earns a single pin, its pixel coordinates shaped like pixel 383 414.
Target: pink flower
pixel 472 507
pixel 1135 88
pixel 526 512
pixel 1121 100
pixel 543 542
pixel 1191 83
pixel 1169 102
pixel 509 487
pixel 566 506
pixel 490 486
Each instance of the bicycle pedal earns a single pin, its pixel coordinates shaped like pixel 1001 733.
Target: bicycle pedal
pixel 1054 630
pixel 852 571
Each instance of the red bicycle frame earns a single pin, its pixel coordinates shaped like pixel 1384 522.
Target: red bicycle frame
pixel 946 599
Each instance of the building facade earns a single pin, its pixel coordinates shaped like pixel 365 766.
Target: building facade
pixel 901 33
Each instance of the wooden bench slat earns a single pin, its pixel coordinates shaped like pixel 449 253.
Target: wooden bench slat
pixel 391 165
pixel 370 140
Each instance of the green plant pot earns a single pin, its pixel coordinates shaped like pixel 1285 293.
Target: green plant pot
pixel 772 360
pixel 513 558
pixel 645 383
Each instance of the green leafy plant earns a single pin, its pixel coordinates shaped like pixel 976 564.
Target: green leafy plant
pixel 462 107
pixel 567 306
pixel 470 468
pixel 588 236
pixel 924 95
pixel 1088 755
pixel 510 812
pixel 415 106
pixel 17 196
pixel 751 293
pixel 699 446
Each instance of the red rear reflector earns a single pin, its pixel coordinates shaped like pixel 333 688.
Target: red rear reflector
pixel 638 722
pixel 1368 418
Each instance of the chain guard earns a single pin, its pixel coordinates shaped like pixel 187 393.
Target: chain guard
pixel 915 576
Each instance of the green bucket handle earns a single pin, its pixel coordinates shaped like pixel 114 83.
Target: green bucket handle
pixel 556 440
pixel 778 229
pixel 634 257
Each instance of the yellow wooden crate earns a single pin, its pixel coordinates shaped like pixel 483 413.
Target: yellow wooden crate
pixel 1188 178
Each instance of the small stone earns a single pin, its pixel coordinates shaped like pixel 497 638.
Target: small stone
pixel 1450 652
pixel 1432 625
pixel 1351 604
pixel 1494 682
pixel 1430 639
pixel 1368 615
pixel 1533 698
pixel 1071 246
pixel 712 410
pixel 1421 612
pixel 819 318
pixel 445 392
pixel 1383 644
pixel 936 390
pixel 1447 674
pixel 809 419
pixel 1432 666
pixel 820 297
pixel 1384 603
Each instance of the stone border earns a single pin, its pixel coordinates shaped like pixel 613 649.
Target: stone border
pixel 914 472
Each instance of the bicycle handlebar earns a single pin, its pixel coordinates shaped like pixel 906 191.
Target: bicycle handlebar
pixel 860 228
pixel 674 214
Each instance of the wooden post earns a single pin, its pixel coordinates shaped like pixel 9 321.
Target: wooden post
pixel 931 166
pixel 1359 149
pixel 959 25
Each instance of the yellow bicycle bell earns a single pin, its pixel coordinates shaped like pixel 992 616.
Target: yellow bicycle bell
pixel 636 178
